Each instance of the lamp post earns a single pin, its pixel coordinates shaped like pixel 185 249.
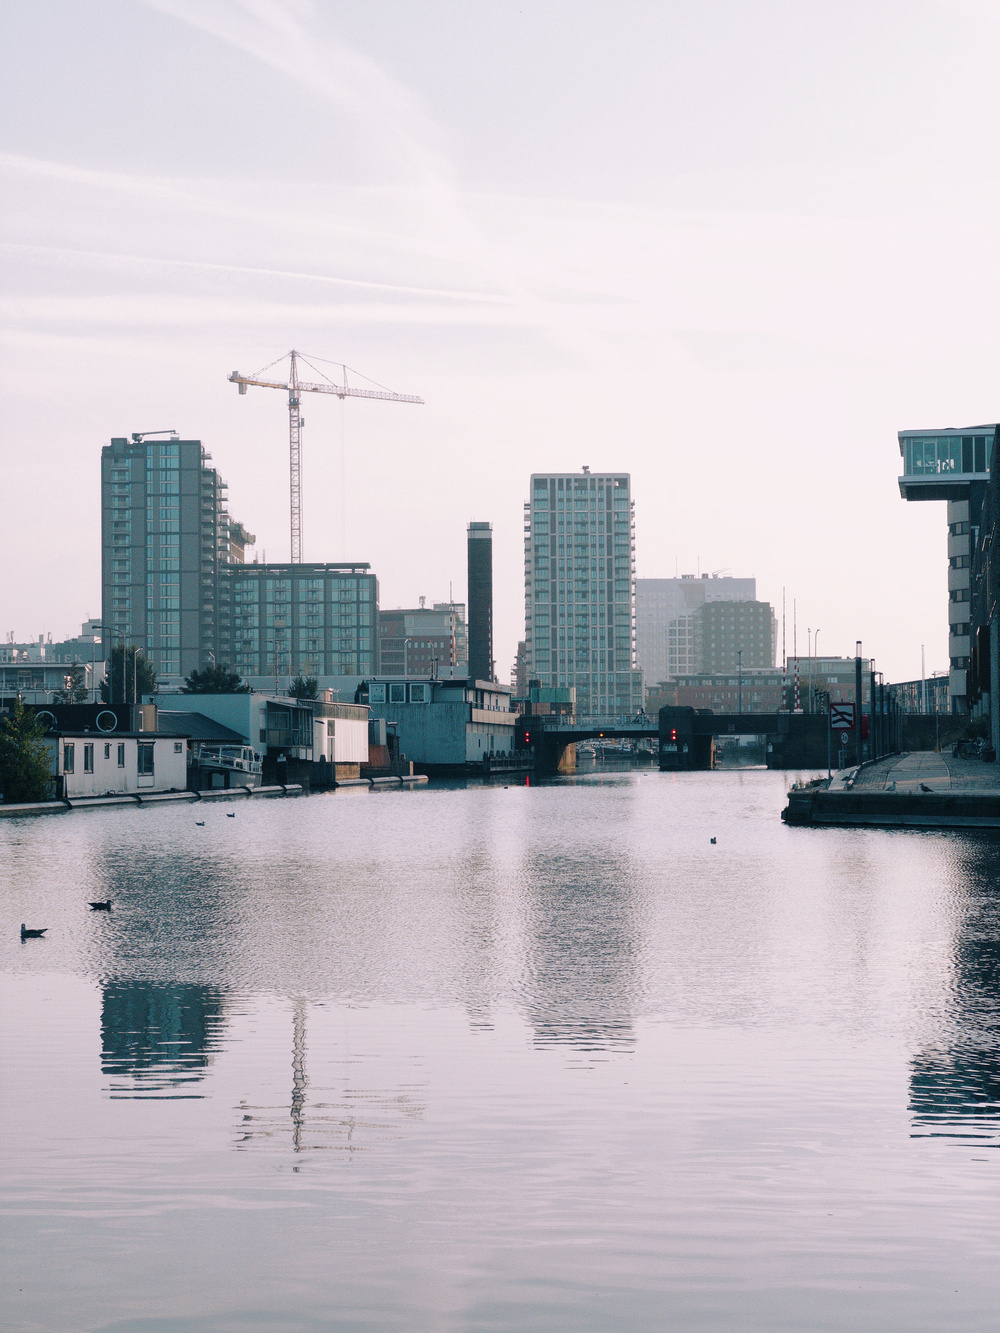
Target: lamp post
pixel 858 752
pixel 111 674
pixel 812 674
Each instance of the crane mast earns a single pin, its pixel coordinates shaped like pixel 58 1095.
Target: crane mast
pixel 295 387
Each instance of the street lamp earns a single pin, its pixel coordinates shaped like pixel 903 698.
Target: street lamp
pixel 858 696
pixel 111 675
pixel 812 674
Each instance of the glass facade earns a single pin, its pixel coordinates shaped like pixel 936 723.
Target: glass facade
pixel 952 465
pixel 165 539
pixel 579 576
pixel 947 454
pixel 310 620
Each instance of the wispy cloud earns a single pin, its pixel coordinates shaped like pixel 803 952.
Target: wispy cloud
pixel 284 35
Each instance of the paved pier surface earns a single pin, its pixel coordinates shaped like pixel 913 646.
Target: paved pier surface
pixel 911 772
pixel 918 790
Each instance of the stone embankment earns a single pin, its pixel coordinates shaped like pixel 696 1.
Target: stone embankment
pixel 918 790
pixel 16 811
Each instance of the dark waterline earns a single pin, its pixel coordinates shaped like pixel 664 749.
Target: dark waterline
pixel 499 1058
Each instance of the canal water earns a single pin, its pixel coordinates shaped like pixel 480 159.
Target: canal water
pixel 487 1058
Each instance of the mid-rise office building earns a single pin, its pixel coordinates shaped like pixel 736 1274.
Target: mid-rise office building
pixel 579 579
pixel 303 620
pixel 665 619
pixel 952 465
pixel 165 543
pixel 424 641
pixel 729 633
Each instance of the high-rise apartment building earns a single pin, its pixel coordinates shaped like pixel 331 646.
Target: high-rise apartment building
pixel 424 641
pixel 579 580
pixel 665 619
pixel 952 465
pixel 174 581
pixel 165 544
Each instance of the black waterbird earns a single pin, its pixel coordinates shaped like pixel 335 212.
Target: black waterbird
pixel 27 934
pixel 101 907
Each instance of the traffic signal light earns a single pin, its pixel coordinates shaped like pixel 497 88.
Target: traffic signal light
pixel 673 733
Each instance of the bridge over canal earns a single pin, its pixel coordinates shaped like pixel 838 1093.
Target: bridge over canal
pixel 686 736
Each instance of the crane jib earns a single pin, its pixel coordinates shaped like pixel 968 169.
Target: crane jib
pixel 341 390
pixel 293 388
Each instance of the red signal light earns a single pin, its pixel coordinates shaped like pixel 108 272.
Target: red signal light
pixel 673 733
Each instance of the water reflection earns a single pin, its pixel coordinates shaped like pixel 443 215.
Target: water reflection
pixel 158 1040
pixel 325 1111
pixel 955 1084
pixel 583 941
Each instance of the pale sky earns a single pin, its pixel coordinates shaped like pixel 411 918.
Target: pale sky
pixel 728 246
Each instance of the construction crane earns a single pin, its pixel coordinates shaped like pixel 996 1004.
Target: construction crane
pixel 295 387
pixel 139 435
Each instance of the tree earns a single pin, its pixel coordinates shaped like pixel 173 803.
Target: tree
pixel 74 689
pixel 215 680
pixel 129 677
pixel 303 687
pixel 25 766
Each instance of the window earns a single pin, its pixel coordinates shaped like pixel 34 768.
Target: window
pixel 146 759
pixel 107 750
pixel 69 758
pixel 397 694
pixel 178 747
pixel 121 755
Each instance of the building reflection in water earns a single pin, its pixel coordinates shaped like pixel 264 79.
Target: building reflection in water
pixel 955 1084
pixel 156 1040
pixel 583 941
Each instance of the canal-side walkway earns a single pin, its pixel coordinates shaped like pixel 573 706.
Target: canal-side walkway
pixel 924 768
pixel 922 789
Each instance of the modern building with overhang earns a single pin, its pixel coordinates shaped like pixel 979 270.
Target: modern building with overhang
pixel 952 464
pixel 445 725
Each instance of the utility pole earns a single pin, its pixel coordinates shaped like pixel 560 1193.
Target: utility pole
pixel 784 660
pixel 923 682
pixel 859 752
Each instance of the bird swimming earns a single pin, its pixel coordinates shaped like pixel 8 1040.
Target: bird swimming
pixel 713 842
pixel 199 823
pixel 101 907
pixel 27 934
pixel 230 816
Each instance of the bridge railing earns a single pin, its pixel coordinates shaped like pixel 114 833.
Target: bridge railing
pixel 597 724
